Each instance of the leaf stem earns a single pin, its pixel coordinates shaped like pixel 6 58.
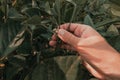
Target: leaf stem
pixel 6 10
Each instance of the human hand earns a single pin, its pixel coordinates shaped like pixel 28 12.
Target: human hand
pixel 98 56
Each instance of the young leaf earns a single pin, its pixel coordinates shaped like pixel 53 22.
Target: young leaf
pixel 112 31
pixel 47 8
pixel 88 21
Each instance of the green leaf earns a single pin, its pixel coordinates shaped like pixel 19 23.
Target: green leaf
pixel 11 71
pixel 74 10
pixel 57 7
pixel 47 8
pixel 112 31
pixel 115 10
pixel 11 35
pixel 71 70
pixel 13 14
pixel 34 20
pixel 107 21
pixel 88 21
pixel 27 77
pixel 29 11
pixel 59 68
pixel 45 71
pixel 17 60
pixel 71 1
pixel 115 2
pixel 46 36
pixel 25 48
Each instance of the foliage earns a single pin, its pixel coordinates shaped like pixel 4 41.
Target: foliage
pixel 26 27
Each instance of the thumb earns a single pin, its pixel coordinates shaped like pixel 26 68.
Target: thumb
pixel 68 37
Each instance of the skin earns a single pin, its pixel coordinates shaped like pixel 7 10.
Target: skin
pixel 97 55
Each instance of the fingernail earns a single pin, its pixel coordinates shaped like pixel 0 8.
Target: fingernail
pixel 61 32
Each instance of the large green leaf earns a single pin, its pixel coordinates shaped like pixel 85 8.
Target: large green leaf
pixel 60 68
pixel 34 20
pixel 57 8
pixel 15 65
pixel 107 21
pixel 115 2
pixel 11 36
pixel 115 10
pixel 11 71
pixel 13 14
pixel 29 11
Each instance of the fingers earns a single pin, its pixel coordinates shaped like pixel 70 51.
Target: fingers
pixel 76 29
pixel 73 26
pixel 69 33
pixel 52 43
pixel 68 37
pixel 53 40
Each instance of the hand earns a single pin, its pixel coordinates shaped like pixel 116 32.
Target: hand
pixel 98 56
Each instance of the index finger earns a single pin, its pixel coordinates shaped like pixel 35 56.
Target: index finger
pixel 72 26
pixel 75 28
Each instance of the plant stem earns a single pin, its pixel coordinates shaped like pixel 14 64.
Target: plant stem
pixel 33 3
pixel 59 15
pixel 6 10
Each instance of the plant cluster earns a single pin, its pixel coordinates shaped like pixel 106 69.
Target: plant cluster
pixel 26 27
